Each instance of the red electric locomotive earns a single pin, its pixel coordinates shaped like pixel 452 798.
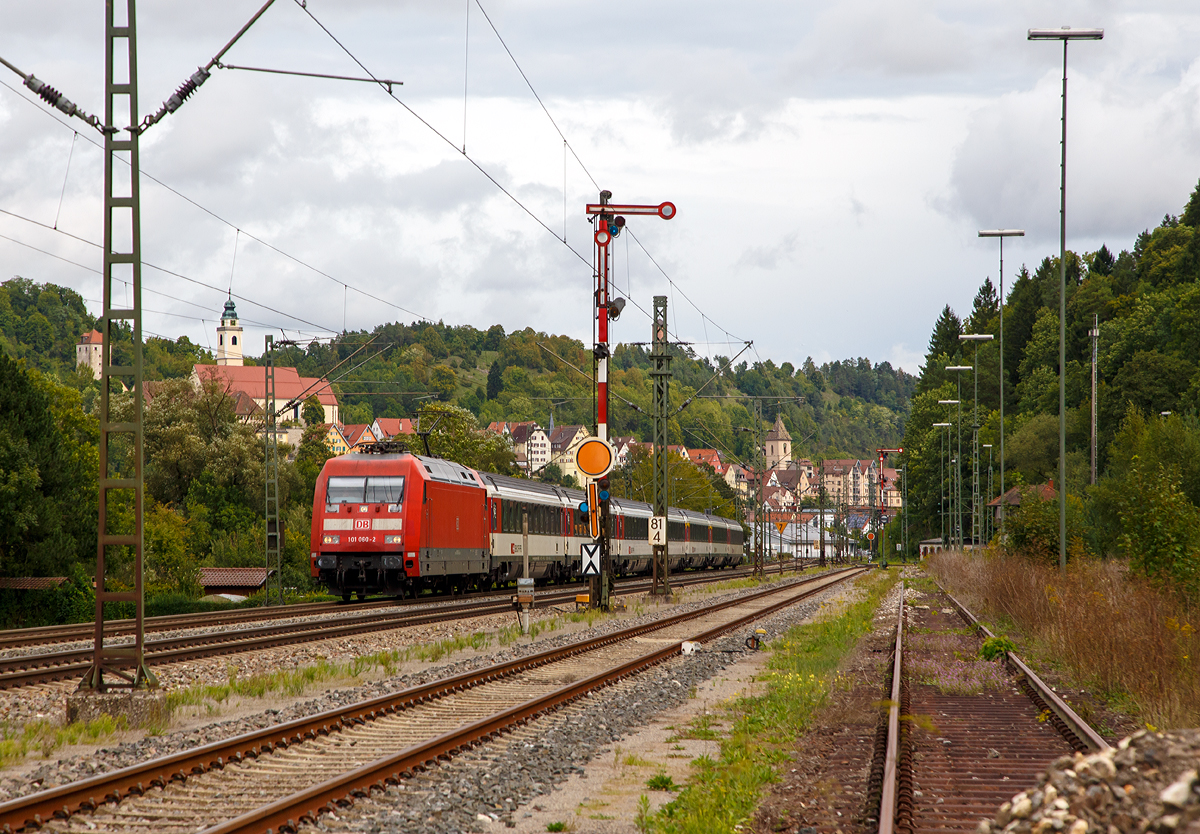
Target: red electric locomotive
pixel 387 523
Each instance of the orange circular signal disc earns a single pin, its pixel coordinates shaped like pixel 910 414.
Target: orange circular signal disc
pixel 594 457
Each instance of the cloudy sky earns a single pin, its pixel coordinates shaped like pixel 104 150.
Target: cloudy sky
pixel 831 161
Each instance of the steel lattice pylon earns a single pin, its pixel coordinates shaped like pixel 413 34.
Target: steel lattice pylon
pixel 274 534
pixel 121 477
pixel 661 374
pixel 760 465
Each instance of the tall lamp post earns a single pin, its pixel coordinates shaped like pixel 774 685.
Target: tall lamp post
pixel 942 480
pixel 1002 234
pixel 976 514
pixel 957 515
pixel 1064 34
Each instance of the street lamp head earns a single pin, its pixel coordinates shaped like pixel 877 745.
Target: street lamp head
pixel 947 402
pixel 1002 233
pixel 941 425
pixel 1066 33
pixel 960 367
pixel 976 337
pixel 987 445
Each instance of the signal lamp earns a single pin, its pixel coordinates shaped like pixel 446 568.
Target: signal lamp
pixel 615 308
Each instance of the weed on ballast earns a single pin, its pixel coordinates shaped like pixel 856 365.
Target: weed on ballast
pixel 661 781
pixel 44 737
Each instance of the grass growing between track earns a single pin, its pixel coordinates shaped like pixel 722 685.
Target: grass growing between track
pixel 724 791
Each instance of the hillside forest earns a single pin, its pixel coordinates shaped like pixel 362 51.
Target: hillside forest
pixel 1145 502
pixel 203 465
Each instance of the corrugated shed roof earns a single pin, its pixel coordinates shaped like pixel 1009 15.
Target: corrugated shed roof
pixel 233 577
pixel 31 583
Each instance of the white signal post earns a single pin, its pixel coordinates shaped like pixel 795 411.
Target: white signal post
pixel 609 219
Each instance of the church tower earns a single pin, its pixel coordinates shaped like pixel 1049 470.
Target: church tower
pixel 229 336
pixel 778 445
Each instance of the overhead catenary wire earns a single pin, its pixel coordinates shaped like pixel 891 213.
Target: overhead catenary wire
pixel 385 84
pixel 150 266
pixel 223 220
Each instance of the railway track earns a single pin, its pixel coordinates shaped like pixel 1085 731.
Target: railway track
pixel 76 632
pixel 276 779
pixel 957 757
pixel 44 667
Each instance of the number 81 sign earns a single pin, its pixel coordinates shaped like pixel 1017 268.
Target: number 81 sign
pixel 658 530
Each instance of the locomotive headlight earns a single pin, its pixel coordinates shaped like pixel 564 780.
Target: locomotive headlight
pixel 393 508
pixel 331 539
pixel 393 539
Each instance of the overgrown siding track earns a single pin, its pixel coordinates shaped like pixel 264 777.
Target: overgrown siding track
pixel 955 758
pixel 277 778
pixel 28 669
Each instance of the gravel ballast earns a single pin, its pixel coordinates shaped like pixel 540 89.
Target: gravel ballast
pixel 1147 783
pixel 667 691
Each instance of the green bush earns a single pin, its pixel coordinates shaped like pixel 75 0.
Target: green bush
pixel 994 648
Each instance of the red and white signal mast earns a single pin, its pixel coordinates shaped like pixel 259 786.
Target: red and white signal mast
pixel 609 220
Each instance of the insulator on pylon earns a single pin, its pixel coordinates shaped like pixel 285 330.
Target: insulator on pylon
pixel 51 96
pixel 181 95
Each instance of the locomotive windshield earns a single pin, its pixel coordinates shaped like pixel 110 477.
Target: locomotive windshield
pixel 375 490
pixel 387 490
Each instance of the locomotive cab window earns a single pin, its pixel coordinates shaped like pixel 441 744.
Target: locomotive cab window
pixel 389 490
pixel 345 491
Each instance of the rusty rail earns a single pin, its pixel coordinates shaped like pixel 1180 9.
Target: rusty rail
pixel 1060 708
pixel 887 802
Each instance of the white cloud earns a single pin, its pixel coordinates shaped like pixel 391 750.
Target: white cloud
pixel 831 161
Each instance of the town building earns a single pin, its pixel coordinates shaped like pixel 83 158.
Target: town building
pixel 390 428
pixel 290 387
pixel 564 440
pixel 529 442
pixel 358 436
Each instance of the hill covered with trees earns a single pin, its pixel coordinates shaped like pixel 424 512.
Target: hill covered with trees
pixel 204 469
pixel 1146 301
